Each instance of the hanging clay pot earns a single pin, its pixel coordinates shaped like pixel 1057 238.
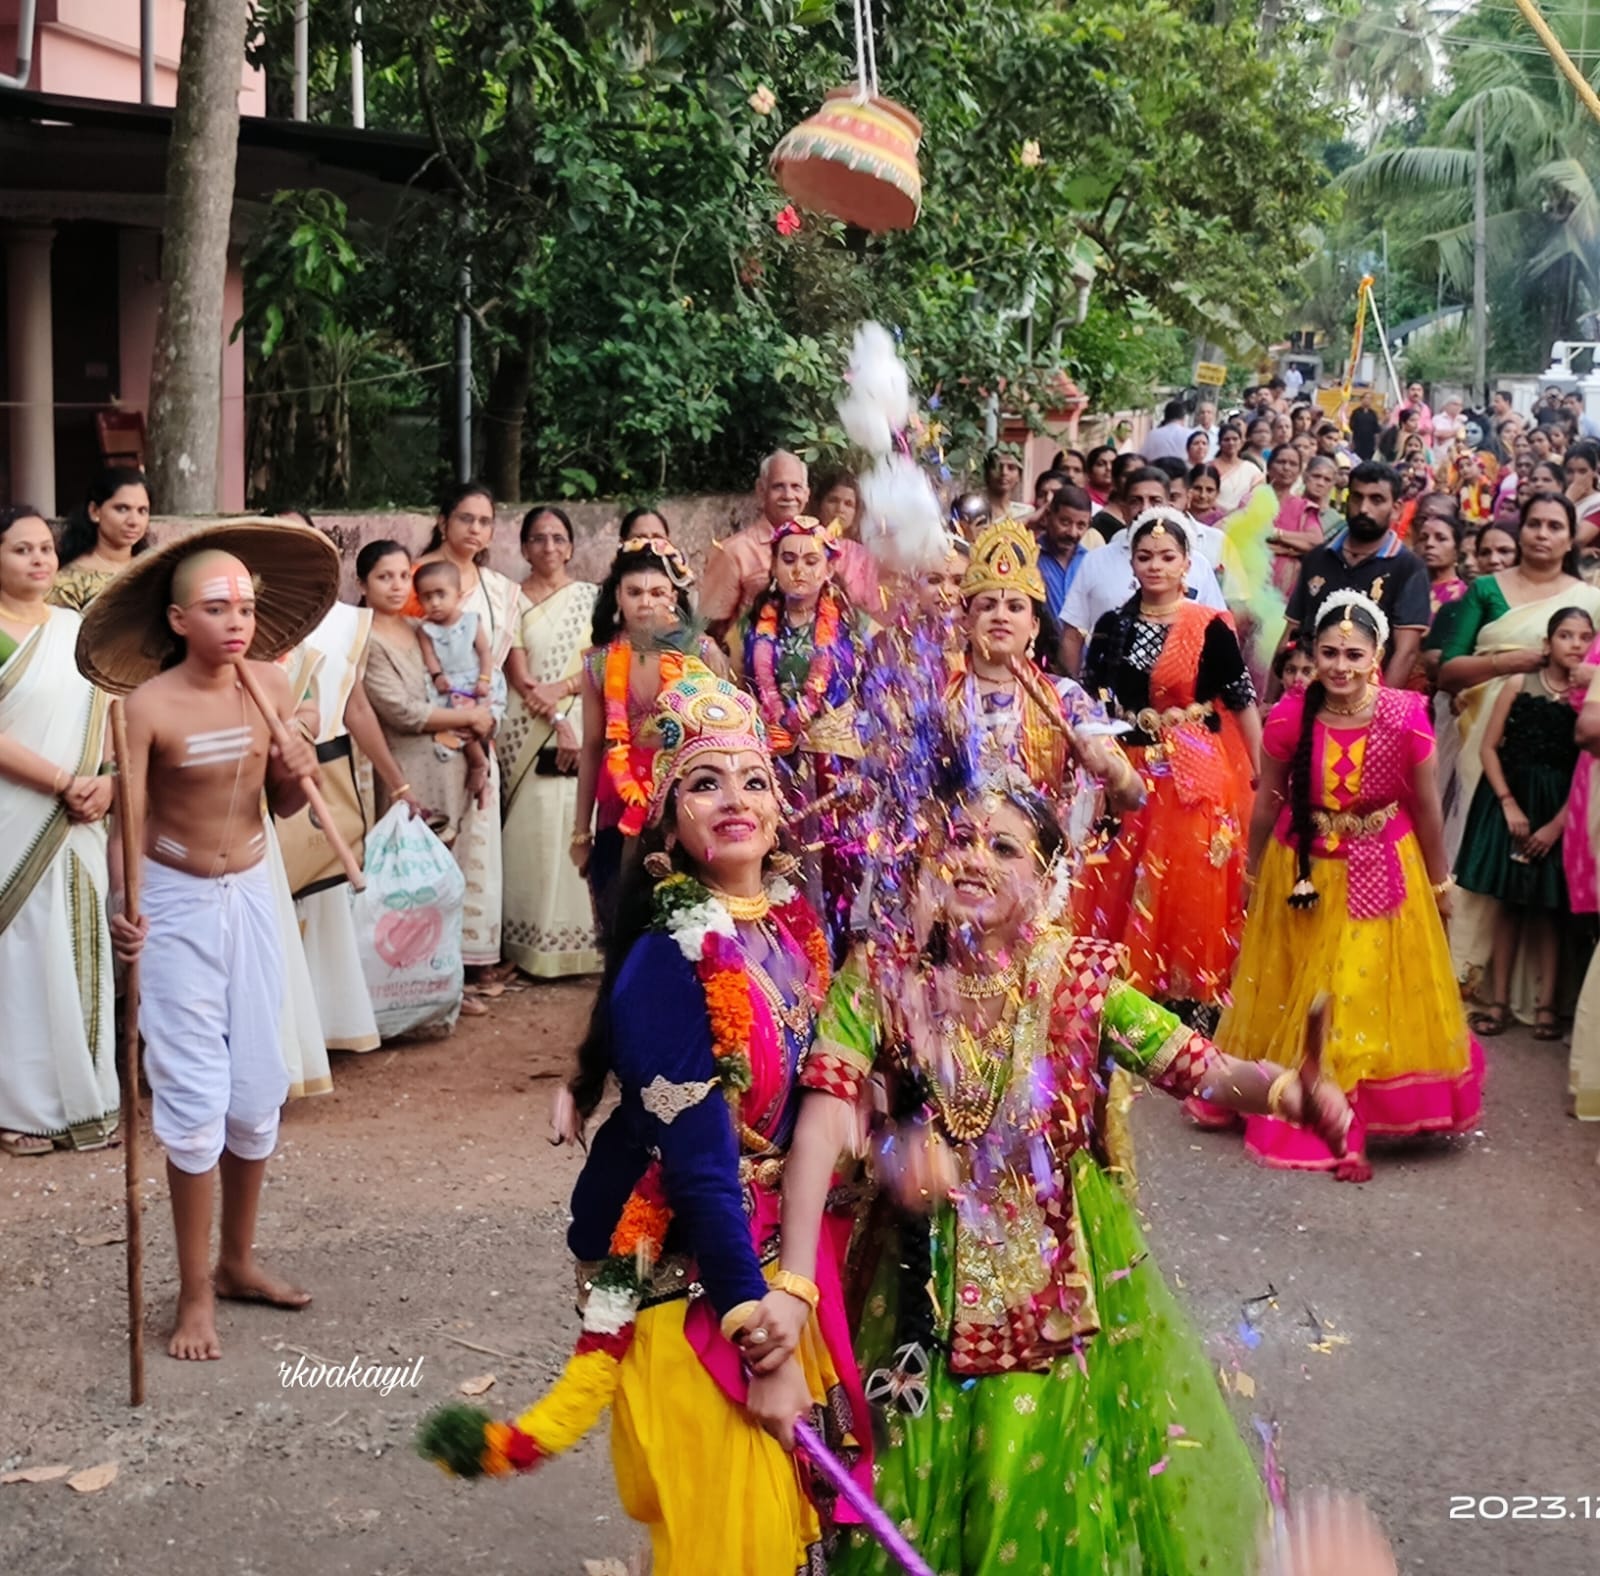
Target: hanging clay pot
pixel 854 160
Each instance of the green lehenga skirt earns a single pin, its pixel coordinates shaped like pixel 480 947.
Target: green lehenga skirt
pixel 1126 1464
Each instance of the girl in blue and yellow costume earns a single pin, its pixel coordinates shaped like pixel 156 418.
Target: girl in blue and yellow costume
pixel 707 1329
pixel 1047 1405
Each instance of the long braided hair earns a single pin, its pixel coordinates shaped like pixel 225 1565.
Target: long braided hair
pixel 1301 767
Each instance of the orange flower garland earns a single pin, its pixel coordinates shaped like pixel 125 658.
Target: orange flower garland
pixel 464 1440
pixel 785 725
pixel 635 795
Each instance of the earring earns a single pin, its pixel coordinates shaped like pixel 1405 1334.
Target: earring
pixel 658 864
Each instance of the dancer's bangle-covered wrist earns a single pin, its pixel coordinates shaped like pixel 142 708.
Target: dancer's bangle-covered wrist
pixel 735 1319
pixel 1276 1091
pixel 797 1286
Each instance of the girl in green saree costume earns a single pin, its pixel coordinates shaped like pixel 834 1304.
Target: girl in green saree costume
pixel 1044 1403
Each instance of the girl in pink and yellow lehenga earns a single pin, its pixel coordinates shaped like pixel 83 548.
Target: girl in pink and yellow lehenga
pixel 1351 890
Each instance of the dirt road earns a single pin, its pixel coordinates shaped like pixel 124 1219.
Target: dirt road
pixel 1429 1335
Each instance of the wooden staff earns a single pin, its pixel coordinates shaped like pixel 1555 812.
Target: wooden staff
pixel 308 784
pixel 132 856
pixel 1043 697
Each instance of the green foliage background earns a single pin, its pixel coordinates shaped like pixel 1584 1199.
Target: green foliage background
pixel 641 324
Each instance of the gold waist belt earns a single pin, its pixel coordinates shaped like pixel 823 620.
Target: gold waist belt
pixel 833 733
pixel 1153 723
pixel 763 1170
pixel 1346 823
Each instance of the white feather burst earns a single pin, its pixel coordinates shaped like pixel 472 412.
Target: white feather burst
pixel 902 525
pixel 877 403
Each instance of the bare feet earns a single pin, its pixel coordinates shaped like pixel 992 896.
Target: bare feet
pixel 1354 1167
pixel 471 1007
pixel 194 1336
pixel 248 1282
pixel 24 1144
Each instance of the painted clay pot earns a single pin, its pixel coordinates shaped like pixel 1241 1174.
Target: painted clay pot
pixel 855 161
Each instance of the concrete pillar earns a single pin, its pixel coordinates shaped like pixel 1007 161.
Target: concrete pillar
pixel 30 336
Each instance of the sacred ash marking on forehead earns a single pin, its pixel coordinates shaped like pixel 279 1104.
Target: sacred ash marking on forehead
pixel 212 576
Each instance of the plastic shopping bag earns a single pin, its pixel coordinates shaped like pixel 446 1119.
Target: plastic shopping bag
pixel 408 925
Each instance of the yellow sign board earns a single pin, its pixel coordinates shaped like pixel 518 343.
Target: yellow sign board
pixel 1210 374
pixel 1328 401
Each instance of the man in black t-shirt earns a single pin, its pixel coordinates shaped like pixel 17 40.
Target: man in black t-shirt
pixel 1365 425
pixel 1368 557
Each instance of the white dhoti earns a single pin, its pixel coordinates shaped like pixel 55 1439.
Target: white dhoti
pixel 211 990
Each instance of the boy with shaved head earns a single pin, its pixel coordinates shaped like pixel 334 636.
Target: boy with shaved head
pixel 211 973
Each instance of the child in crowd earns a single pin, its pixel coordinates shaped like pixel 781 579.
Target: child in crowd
pixel 200 755
pixel 1510 850
pixel 455 651
pixel 1294 668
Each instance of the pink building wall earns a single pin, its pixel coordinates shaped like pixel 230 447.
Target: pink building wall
pixel 90 49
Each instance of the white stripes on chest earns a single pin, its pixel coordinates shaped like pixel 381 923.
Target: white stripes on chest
pixel 219 748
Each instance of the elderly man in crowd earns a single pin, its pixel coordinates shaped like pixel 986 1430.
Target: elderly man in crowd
pixel 739 566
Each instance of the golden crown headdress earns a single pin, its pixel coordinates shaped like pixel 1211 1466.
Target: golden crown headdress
pixel 1004 558
pixel 695 714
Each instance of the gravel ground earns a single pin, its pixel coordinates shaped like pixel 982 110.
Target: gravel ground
pixel 1415 1339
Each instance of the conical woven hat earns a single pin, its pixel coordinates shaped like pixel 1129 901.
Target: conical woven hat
pixel 126 639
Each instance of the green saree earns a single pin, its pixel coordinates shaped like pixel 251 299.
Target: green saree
pixel 1072 1420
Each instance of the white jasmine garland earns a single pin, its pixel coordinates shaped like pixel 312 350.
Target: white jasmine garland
pixel 691 926
pixel 608 1310
pixel 780 893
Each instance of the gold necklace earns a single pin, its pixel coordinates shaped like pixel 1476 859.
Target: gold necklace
pixel 26 623
pixel 985 987
pixel 1334 710
pixel 799 1017
pixel 1551 690
pixel 1160 614
pixel 750 909
pixel 983 1069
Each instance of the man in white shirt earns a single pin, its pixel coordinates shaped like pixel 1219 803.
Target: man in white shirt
pixel 1106 579
pixel 1170 440
pixel 1206 422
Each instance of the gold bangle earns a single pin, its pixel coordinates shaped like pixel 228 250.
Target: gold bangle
pixel 1441 887
pixel 1275 1090
pixel 394 793
pixel 581 840
pixel 796 1286
pixel 735 1319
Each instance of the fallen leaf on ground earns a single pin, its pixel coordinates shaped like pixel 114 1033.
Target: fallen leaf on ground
pixel 92 1479
pixel 1244 1384
pixel 36 1474
pixel 100 1239
pixel 478 1386
pixel 604 1568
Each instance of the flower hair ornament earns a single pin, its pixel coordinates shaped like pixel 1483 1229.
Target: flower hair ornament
pixel 673 563
pixel 805 525
pixel 1160 518
pixel 1348 599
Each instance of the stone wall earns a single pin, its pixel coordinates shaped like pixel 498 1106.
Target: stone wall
pixel 695 523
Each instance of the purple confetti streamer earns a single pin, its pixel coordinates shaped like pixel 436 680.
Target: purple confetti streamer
pixel 871 1512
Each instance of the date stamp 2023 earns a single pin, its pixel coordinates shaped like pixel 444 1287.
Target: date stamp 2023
pixel 1525 1507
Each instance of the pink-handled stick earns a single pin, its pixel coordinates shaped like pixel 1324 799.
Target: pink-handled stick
pixel 859 1500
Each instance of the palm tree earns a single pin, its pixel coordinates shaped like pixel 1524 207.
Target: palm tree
pixel 1540 145
pixel 1383 60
